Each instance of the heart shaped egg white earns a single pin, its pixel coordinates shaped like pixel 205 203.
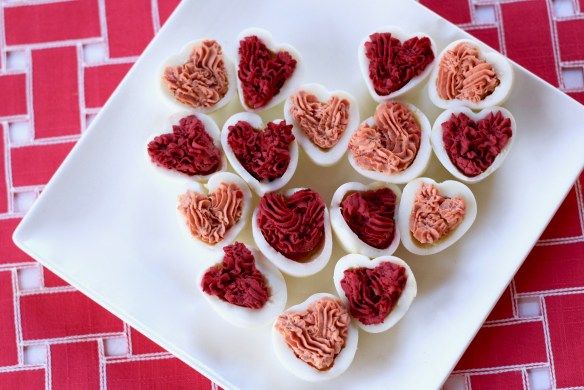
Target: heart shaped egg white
pixel 450 189
pixel 289 266
pixel 210 128
pixel 214 182
pixel 244 316
pixel 501 66
pixel 347 238
pixel 405 300
pixel 183 57
pixel 289 85
pixel 323 157
pixel 420 163
pixel 260 187
pixel 398 33
pixel 303 370
pixel 441 153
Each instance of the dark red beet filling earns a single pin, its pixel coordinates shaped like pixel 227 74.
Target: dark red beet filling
pixel 262 72
pixel 473 146
pixel 370 214
pixel 237 280
pixel 293 225
pixel 188 149
pixel 373 292
pixel 264 154
pixel 392 64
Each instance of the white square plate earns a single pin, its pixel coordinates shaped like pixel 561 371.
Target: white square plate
pixel 106 223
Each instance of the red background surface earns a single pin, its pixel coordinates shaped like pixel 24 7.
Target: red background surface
pixel 51 87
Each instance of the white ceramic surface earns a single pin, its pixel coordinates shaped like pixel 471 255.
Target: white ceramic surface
pixel 113 233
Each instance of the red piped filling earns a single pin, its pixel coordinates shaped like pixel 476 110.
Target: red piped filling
pixel 370 214
pixel 473 146
pixel 188 149
pixel 261 71
pixel 373 292
pixel 264 154
pixel 237 280
pixel 293 225
pixel 392 64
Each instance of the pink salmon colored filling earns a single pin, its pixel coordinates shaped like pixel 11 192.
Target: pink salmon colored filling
pixel 323 123
pixel 318 334
pixel 433 215
pixel 209 217
pixel 463 75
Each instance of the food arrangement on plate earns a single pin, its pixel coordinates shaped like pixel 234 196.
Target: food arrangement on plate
pixel 292 229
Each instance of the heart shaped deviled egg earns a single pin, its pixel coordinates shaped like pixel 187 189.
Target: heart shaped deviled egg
pixel 377 292
pixel 471 145
pixel 266 72
pixel 265 157
pixel 316 339
pixel 293 231
pixel 470 74
pixel 216 216
pixel 244 288
pixel 363 218
pixel 393 62
pixel 192 149
pixel 200 77
pixel 433 216
pixel 392 146
pixel 323 121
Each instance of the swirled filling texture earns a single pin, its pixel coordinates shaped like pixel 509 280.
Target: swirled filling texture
pixel 392 64
pixel 236 279
pixel 189 149
pixel 264 154
pixel 373 292
pixel 433 215
pixel 294 225
pixel 370 214
pixel 202 81
pixel 473 146
pixel 391 145
pixel 463 75
pixel 262 72
pixel 318 334
pixel 209 217
pixel 323 123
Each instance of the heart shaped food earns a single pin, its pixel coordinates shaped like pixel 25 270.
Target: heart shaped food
pixel 293 231
pixel 470 74
pixel 315 340
pixel 472 146
pixel 200 77
pixel 217 217
pixel 323 121
pixel 393 62
pixel 266 72
pixel 433 216
pixel 265 157
pixel 392 146
pixel 363 218
pixel 377 292
pixel 244 288
pixel 192 149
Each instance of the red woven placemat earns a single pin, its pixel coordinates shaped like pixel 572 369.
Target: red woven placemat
pixel 59 62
